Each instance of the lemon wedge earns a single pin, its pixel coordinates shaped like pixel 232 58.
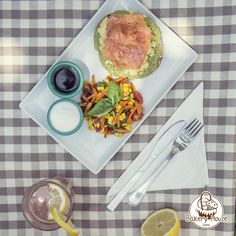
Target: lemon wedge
pixel 164 222
pixel 68 226
pixel 58 199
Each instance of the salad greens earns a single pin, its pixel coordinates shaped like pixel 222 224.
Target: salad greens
pixel 105 105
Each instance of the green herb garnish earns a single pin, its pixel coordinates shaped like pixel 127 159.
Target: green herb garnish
pixel 114 93
pixel 102 107
pixel 105 105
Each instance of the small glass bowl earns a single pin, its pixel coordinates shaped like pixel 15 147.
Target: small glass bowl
pixel 55 68
pixel 71 131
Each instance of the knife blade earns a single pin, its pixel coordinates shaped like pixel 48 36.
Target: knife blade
pixel 169 136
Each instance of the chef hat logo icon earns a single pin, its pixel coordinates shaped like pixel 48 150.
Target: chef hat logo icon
pixel 206 211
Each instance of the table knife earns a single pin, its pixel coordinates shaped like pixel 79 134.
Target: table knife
pixel 169 136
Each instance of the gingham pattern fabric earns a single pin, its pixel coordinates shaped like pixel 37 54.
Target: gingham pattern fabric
pixel 33 34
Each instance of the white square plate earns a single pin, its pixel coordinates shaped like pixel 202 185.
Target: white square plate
pixel 90 148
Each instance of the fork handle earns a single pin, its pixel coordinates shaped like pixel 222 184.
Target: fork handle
pixel 136 197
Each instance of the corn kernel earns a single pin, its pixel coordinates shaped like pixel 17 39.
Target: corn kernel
pixel 118 135
pixel 100 88
pixel 110 119
pixel 130 103
pixel 122 116
pixel 125 90
pixel 132 100
pixel 126 85
pixel 128 127
pixel 126 93
pixel 90 125
pixel 118 107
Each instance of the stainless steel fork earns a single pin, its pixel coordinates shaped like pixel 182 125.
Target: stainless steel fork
pixel 180 143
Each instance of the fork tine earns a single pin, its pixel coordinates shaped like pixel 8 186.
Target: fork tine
pixel 190 127
pixel 196 131
pixel 195 128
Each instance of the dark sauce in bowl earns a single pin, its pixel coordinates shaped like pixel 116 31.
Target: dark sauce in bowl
pixel 66 80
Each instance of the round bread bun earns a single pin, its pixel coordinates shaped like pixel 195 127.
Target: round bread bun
pixel 153 56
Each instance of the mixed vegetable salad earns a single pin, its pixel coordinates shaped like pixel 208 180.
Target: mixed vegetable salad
pixel 111 106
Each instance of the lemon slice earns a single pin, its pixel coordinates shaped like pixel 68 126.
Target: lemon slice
pixel 58 199
pixel 164 222
pixel 68 226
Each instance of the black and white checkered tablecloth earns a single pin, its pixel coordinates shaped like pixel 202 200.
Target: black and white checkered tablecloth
pixel 33 34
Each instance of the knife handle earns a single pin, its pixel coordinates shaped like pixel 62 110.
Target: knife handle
pixel 136 197
pixel 119 197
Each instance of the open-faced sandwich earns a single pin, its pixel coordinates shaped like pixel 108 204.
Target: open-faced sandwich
pixel 129 44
